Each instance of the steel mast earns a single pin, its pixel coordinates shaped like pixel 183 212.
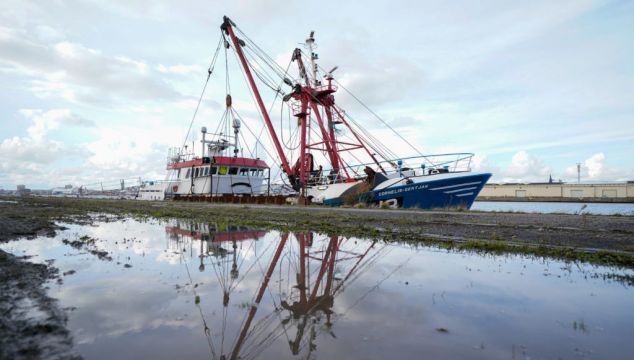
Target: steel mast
pixel 308 98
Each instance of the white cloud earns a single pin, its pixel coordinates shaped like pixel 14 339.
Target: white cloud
pixel 49 33
pixel 43 122
pixel 180 69
pixel 524 164
pixel 29 161
pixel 525 167
pixel 596 168
pixel 117 153
pixel 591 168
pixel 121 153
pixel 484 164
pixel 379 83
pixel 77 73
pixel 19 151
pixel 595 165
pixel 35 156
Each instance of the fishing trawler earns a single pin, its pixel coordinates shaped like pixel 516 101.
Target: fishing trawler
pixel 324 154
pixel 216 171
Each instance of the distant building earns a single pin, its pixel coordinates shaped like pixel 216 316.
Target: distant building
pixel 22 190
pixel 65 191
pixel 551 191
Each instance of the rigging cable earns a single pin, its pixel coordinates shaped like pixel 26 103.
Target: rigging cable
pixel 202 316
pixel 209 72
pixel 375 114
pixel 369 139
pixel 272 64
pixel 378 117
pixel 274 158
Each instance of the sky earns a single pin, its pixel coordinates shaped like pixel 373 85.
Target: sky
pixel 94 91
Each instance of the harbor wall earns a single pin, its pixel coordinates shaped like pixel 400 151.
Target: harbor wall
pixel 605 192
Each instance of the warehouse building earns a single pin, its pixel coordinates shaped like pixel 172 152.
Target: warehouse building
pixel 553 191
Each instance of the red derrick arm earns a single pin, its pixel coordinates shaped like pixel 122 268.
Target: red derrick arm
pixel 235 354
pixel 227 26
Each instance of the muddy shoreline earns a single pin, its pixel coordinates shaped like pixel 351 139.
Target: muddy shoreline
pixel 579 235
pixel 602 240
pixel 32 325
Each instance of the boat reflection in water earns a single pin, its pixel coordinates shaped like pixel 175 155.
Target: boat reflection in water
pixel 196 291
pixel 302 276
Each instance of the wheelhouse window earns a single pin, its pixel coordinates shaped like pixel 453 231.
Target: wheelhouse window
pixel 187 174
pixel 244 172
pixel 222 170
pixel 233 171
pixel 196 172
pixel 206 171
pixel 254 172
pixel 213 170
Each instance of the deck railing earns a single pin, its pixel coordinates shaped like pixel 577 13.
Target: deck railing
pixel 422 165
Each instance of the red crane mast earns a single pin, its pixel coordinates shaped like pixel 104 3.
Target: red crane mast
pixel 308 99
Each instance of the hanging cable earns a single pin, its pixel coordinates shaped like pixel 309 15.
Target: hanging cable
pixel 379 118
pixel 209 72
pixel 252 44
pixel 373 113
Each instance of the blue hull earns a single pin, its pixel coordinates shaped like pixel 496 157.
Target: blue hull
pixel 454 192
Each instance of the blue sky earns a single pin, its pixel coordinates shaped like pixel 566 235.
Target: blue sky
pixel 98 90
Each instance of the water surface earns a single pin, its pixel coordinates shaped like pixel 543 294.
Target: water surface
pixel 181 290
pixel 555 207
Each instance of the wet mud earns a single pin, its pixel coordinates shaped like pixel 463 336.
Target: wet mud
pixel 87 244
pixel 32 325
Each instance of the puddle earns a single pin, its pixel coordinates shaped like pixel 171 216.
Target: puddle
pixel 167 290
